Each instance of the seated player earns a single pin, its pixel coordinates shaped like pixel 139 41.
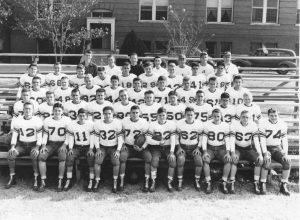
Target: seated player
pixel 212 93
pixel 26 79
pixel 165 130
pixel 136 94
pixel 102 79
pixel 205 68
pixel 46 108
pixel 228 111
pixel 245 145
pixel 112 92
pixel 112 68
pixel 202 109
pixel 122 108
pixel 273 137
pixel 173 80
pixel 132 127
pixel 223 80
pixel 198 80
pixel 148 78
pixel 63 93
pixel 71 107
pixel 81 143
pixel 95 108
pixel 189 131
pixel 237 91
pixel 78 80
pixel 183 69
pixel 53 80
pixel 175 110
pixel 251 107
pixel 88 91
pixel 161 91
pixel 126 78
pixel 108 142
pixel 54 142
pixel 19 105
pixel 149 108
pixel 216 144
pixel 158 69
pixel 186 94
pixel 26 140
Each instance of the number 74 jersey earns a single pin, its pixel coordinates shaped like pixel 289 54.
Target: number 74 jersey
pixel 273 132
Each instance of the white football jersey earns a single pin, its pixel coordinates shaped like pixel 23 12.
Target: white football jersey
pixel 102 83
pixel 166 130
pixel 198 81
pixel 71 109
pixel 186 96
pixel 38 96
pixel 55 130
pixel 88 95
pixel 19 107
pixel 112 95
pixel 223 81
pixel 202 112
pixel 273 133
pixel 161 96
pixel 80 134
pixel 115 70
pixel 160 71
pixel 63 95
pixel 228 114
pixel 189 134
pixel 243 136
pixel 185 71
pixel 216 135
pixel 95 110
pixel 175 82
pixel 254 111
pixel 132 129
pixel 122 111
pixel 148 82
pixel 26 80
pixel 206 70
pixel 45 110
pixel 231 70
pixel 107 134
pixel 127 81
pixel 149 112
pixel 175 112
pixel 137 97
pixel 53 81
pixel 212 98
pixel 236 96
pixel 76 82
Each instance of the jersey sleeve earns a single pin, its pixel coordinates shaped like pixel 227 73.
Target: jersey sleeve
pixel 119 135
pixel 39 131
pixel 70 136
pixel 45 132
pixel 204 137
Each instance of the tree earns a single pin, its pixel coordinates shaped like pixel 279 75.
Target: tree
pixel 60 21
pixel 6 13
pixel 132 43
pixel 186 35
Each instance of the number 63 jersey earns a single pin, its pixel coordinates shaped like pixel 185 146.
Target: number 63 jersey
pixel 273 133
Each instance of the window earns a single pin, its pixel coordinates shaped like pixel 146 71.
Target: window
pixel 297 49
pixel 211 48
pixel 161 46
pixel 219 10
pixel 154 10
pixel 226 46
pixel 298 12
pixel 265 11
pixel 102 13
pixel 148 45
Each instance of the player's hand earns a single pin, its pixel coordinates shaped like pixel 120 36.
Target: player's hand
pixel 70 152
pixel 137 148
pixel 98 153
pixel 227 157
pixel 171 157
pixel 43 149
pixel 124 147
pixel 12 152
pixel 35 151
pixel 206 157
pixel 90 153
pixel 62 149
pixel 286 158
pixel 162 142
pixel 196 152
pixel 267 158
pixel 234 157
pixel 117 154
pixel 260 159
pixel 179 150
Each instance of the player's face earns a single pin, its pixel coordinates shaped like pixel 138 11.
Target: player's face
pixel 189 116
pixel 33 70
pixel 57 68
pixel 125 70
pixel 212 84
pixel 88 57
pixel 81 117
pixel 186 84
pixel 245 118
pixel 224 102
pixel 110 60
pixel 216 117
pixel 273 117
pixel 137 85
pixel 80 73
pixel 161 117
pixel 28 110
pixel 75 96
pixel 102 74
pixel 26 96
pixel 195 70
pixel 227 58
pixel 57 112
pixel 157 62
pixel 108 115
pixel 88 81
pixel 64 83
pixel 36 83
pixel 135 114
pixel 247 100
pixel 100 96
pixel 114 83
pixel 238 83
pixel 50 98
pixel 161 84
pixel 171 69
pixel 148 69
pixel 124 96
pixel 181 61
pixel 204 58
pixel 149 98
pixel 133 59
pixel 220 69
pixel 173 99
pixel 200 97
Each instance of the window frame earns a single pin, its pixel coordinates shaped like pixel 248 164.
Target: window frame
pixel 264 14
pixel 219 13
pixel 153 12
pixel 298 13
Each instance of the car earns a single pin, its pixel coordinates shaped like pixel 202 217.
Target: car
pixel 272 63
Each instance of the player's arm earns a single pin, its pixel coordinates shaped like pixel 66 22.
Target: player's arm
pixel 284 140
pixel 232 138
pixel 39 133
pixel 45 134
pixel 92 139
pixel 257 146
pixel 263 140
pixel 97 137
pixel 119 137
pixel 172 141
pixel 204 139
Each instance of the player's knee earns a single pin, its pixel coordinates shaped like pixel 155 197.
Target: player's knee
pixel 33 157
pixel 62 156
pixel 147 156
pixel 123 156
pixel 286 165
pixel 90 161
pixel 155 162
pixel 180 160
pixel 235 160
pixel 172 163
pixel 198 161
pixel 70 161
pixel 115 161
pixel 99 160
pixel 42 157
pixel 267 166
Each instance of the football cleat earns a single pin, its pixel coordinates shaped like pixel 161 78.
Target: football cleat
pixel 224 187
pixel 90 186
pixel 59 186
pixel 208 188
pixel 96 186
pixel 256 188
pixel 146 185
pixel 67 185
pixel 231 187
pixel 114 188
pixel 35 186
pixel 170 187
pixel 42 187
pixel 11 182
pixel 152 187
pixel 284 190
pixel 197 185
pixel 263 189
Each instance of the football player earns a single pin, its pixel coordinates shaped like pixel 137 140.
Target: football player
pixel 54 142
pixel 26 140
pixel 216 144
pixel 63 93
pixel 71 107
pixel 202 109
pixel 223 80
pixel 136 94
pixel 158 69
pixel 273 137
pixel 88 91
pixel 248 105
pixel 112 92
pixel 228 111
pixel 189 131
pixel 149 108
pixel 212 93
pixel 102 79
pixel 173 80
pixel 183 69
pixel 204 67
pixel 78 80
pixel 19 105
pixel 198 80
pixel 165 130
pixel 175 110
pixel 53 80
pixel 122 108
pixel 161 91
pixel 112 68
pixel 148 78
pixel 126 78
pixel 237 91
pixel 46 108
pixel 186 93
pixel 26 78
pixel 108 142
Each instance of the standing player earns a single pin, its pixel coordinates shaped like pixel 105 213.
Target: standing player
pixel 173 80
pixel 122 108
pixel 26 78
pixel 53 79
pixel 108 141
pixel 135 68
pixel 161 91
pixel 166 130
pixel 186 93
pixel 175 110
pixel 112 92
pixel 136 94
pixel 89 66
pixel 245 145
pixel 248 105
pixel 230 68
pixel 102 79
pixel 71 107
pixel 78 80
pixel 26 139
pixel 81 143
pixel 46 108
pixel 149 108
pixel 132 127
pixel 228 111
pixel 197 79
pixel 189 131
pixel 158 69
pixel 204 67
pixel 223 79
pixel 63 93
pixel 126 78
pixel 88 91
pixel 212 93
pixel 183 69
pixel 202 109
pixel 54 142
pixel 148 78
pixel 237 91
pixel 112 68
pixel 216 144
pixel 273 137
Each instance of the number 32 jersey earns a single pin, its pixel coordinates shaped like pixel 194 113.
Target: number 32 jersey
pixel 106 134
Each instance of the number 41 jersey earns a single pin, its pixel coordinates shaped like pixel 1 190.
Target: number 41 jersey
pixel 273 132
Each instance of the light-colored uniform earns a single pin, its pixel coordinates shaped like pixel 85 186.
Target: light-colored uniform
pixel 112 95
pixel 55 130
pixel 148 82
pixel 212 98
pixel 175 112
pixel 189 134
pixel 198 81
pixel 121 110
pixel 45 110
pixel 132 129
pixel 149 112
pixel 53 81
pixel 102 83
pixel 63 95
pixel 19 107
pixel 80 134
pixel 175 82
pixel 216 135
pixel 161 96
pixel 202 112
pixel 228 113
pixel 186 96
pixel 26 80
pixel 185 71
pixel 76 82
pixel 115 70
pixel 88 95
pixel 71 108
pixel 206 70
pixel 137 97
pixel 254 111
pixel 236 96
pixel 166 130
pixel 95 110
pixel 127 81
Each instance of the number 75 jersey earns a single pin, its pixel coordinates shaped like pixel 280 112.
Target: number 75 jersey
pixel 273 132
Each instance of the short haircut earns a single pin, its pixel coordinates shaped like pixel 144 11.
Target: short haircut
pixel 161 110
pixel 36 77
pixel 137 79
pixel 200 91
pixel 220 63
pixel 194 64
pixel 64 77
pixel 108 108
pixel 244 112
pixel 213 78
pixel 114 77
pixel 88 76
pixel 186 78
pixel 111 56
pixel 101 68
pixel 149 92
pixel 272 110
pixel 162 78
pixel 237 77
pixel 58 105
pixel 172 63
pixel 216 110
pixel 126 63
pixel 225 95
pixel 146 64
pixel 189 109
pixel 82 110
pixel 172 93
pixel 157 57
pixel 28 103
pixel 135 107
pixel 75 90
pixel 25 90
pixel 32 65
pixel 100 90
pixel 49 93
pixel 248 94
pixel 88 52
pixel 203 54
pixel 123 90
pixel 80 66
pixel 132 54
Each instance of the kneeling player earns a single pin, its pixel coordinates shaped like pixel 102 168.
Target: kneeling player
pixel 273 137
pixel 108 141
pixel 161 137
pixel 215 144
pixel 133 127
pixel 244 134
pixel 189 131
pixel 81 143
pixel 54 141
